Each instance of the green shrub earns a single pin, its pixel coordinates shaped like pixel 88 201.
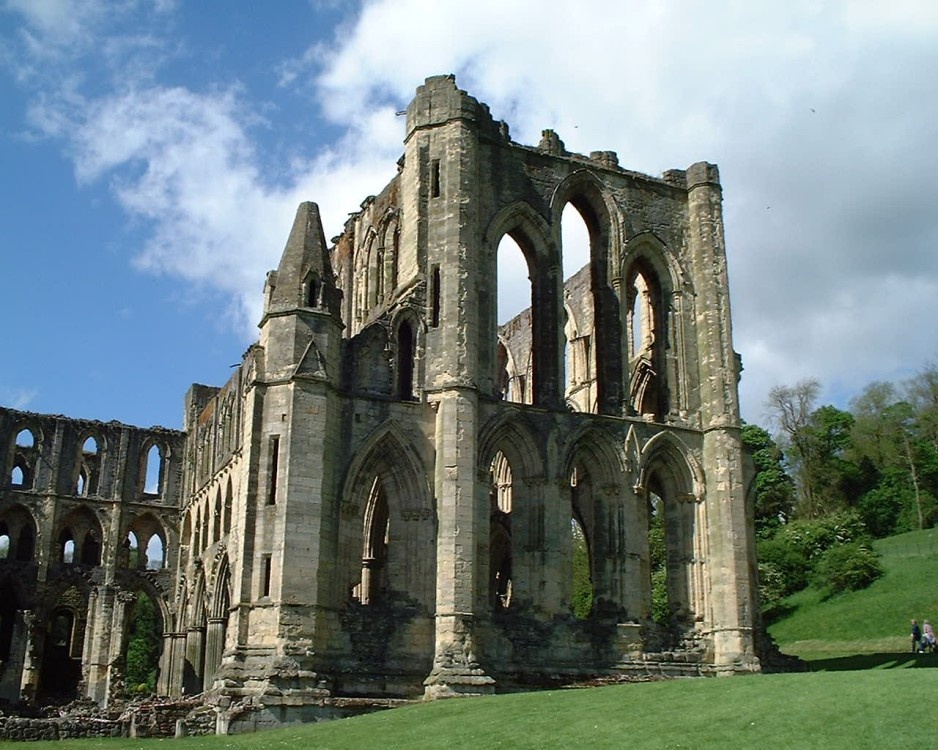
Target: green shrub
pixel 772 590
pixel 786 560
pixel 847 567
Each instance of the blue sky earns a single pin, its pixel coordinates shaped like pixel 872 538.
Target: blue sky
pixel 153 154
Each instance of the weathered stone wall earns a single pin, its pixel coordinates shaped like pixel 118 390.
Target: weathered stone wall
pixel 74 494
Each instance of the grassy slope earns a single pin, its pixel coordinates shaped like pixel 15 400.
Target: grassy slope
pixel 875 620
pixel 830 710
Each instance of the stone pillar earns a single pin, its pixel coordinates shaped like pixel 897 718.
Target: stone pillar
pixel 214 646
pixel 32 657
pixel 732 587
pixel 178 670
pixel 456 669
pixel 195 661
pixel 115 666
pixel 557 551
pixel 166 684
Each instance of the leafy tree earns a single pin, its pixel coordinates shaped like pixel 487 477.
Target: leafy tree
pixel 817 447
pixel 847 567
pixel 790 409
pixel 774 489
pixel 895 437
pixel 143 646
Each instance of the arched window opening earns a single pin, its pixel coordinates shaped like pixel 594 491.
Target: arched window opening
pixel 642 318
pixel 133 550
pixel 153 471
pixel 513 373
pixel 199 533
pixel 21 475
pixel 91 549
pixel 645 336
pixel 500 542
pixel 379 273
pixel 4 545
pixel 392 239
pixel 25 544
pixel 582 571
pixel 142 647
pixel 155 553
pixel 90 446
pixel 216 518
pixel 405 361
pixel 81 487
pixel 60 670
pixel 60 632
pixel 377 532
pixel 514 283
pixel 25 438
pixel 579 367
pixel 312 291
pixel 191 531
pixel 67 547
pixel 226 525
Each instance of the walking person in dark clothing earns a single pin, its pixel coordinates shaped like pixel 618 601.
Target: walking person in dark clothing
pixel 916 636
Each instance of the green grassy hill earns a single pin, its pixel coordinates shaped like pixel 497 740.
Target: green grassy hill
pixel 872 621
pixel 874 708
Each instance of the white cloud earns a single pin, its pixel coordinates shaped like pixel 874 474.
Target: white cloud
pixel 17 398
pixel 820 116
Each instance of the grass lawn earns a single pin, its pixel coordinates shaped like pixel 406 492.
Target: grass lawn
pixel 813 710
pixel 855 697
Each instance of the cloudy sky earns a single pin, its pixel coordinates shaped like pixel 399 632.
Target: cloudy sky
pixel 153 153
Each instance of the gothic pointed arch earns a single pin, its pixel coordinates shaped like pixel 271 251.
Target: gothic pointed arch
pixel 655 289
pixel 671 483
pixel 510 433
pixel 409 331
pixel 595 205
pixel 528 228
pixel 387 539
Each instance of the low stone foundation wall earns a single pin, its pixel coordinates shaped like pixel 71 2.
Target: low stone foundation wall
pixel 153 717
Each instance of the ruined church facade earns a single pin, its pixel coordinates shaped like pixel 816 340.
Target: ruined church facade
pixel 387 496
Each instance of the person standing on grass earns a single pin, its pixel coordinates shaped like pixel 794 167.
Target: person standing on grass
pixel 928 636
pixel 916 636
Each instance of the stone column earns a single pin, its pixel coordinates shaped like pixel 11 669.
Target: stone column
pixel 178 670
pixel 731 584
pixel 456 669
pixel 166 683
pixel 32 657
pixel 195 661
pixel 214 646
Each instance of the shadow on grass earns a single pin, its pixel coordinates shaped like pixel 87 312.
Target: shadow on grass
pixel 875 661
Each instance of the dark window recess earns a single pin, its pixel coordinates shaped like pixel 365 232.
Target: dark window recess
pixel 435 296
pixel 435 178
pixel 265 590
pixel 274 461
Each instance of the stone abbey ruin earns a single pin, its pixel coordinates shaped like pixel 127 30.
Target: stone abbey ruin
pixel 381 500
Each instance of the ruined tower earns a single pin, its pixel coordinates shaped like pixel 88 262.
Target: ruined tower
pixel 387 497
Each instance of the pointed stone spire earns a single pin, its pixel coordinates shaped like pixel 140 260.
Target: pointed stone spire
pixel 304 278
